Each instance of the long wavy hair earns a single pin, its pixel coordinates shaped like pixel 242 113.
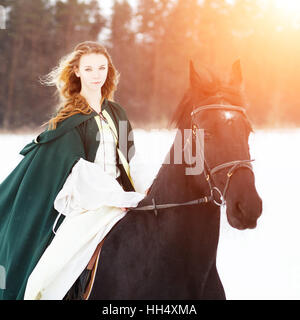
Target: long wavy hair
pixel 68 84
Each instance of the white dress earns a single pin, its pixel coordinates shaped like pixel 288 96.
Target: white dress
pixel 91 200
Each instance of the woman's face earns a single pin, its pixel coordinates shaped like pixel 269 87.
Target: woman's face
pixel 93 69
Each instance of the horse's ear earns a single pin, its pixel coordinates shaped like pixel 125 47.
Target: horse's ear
pixel 236 76
pixel 194 77
pixel 201 79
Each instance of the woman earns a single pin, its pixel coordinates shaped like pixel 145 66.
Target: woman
pixel 81 145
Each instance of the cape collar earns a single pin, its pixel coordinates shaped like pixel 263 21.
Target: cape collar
pixel 63 127
pixel 69 124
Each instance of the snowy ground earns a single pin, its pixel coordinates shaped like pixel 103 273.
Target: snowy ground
pixel 254 264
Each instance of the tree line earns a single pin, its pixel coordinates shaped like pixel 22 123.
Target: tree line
pixel 151 46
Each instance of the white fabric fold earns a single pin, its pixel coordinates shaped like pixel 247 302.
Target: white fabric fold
pixel 88 187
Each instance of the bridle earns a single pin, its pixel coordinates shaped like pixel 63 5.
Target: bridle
pixel 232 165
pixel 208 172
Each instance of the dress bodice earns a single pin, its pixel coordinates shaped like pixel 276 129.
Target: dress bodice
pixel 106 153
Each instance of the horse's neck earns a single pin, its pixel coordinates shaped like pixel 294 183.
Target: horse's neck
pixel 195 227
pixel 172 184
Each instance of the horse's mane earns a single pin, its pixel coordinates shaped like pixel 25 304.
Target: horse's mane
pixel 184 107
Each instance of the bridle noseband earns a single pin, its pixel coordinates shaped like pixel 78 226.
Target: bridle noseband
pixel 209 173
pixel 233 165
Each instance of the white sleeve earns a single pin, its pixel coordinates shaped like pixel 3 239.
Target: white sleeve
pixel 88 187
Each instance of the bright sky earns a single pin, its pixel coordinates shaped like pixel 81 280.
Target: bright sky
pixel 288 6
pixel 287 12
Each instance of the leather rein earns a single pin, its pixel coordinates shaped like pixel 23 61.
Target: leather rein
pixel 209 173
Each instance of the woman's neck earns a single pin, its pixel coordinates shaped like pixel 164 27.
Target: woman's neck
pixel 94 99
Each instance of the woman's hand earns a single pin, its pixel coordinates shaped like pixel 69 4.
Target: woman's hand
pixel 126 209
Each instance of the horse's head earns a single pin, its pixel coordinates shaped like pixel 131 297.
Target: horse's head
pixel 216 107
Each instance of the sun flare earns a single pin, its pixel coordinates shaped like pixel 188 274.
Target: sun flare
pixel 289 7
pixel 286 12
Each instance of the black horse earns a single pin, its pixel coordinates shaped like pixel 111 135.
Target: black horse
pixel 170 252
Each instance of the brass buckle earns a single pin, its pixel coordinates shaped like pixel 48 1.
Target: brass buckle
pixel 194 129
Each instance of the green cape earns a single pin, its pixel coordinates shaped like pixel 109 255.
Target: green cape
pixel 27 195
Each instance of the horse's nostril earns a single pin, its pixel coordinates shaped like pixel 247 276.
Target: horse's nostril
pixel 240 210
pixel 246 219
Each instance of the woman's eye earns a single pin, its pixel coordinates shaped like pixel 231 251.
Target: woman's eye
pixel 101 68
